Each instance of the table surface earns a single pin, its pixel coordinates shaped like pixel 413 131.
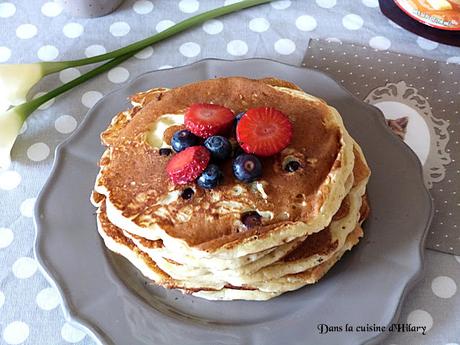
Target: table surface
pixel 39 30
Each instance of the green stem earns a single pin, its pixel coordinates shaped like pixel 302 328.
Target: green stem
pixel 31 106
pixel 139 45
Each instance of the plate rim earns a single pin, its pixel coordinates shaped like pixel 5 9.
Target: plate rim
pixel 71 313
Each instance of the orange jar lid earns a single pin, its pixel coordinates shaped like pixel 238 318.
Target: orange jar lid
pixel 440 14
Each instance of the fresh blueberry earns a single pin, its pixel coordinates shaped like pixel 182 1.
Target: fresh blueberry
pixel 251 219
pixel 183 139
pixel 247 168
pixel 187 193
pixel 239 116
pixel 220 147
pixel 292 166
pixel 210 177
pixel 237 119
pixel 165 151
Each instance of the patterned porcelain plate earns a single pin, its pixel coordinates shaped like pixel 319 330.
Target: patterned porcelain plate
pixel 105 295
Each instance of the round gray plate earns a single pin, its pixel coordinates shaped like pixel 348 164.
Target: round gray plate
pixel 103 293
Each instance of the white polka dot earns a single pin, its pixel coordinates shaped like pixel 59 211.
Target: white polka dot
pixel 453 59
pixel 6 237
pixel 352 22
pixel 94 50
pixel 326 3
pixel 26 31
pixel 443 287
pixel 5 54
pixel 165 67
pixel 47 53
pixel 190 49
pixel 27 207
pixel 16 332
pixel 380 43
pixel 284 46
pixel 45 105
pixel 259 25
pixel 47 299
pixel 2 299
pixel 118 75
pixel 7 9
pixel 65 124
pixel 38 152
pixel 90 98
pixel 143 7
pixel 71 334
pixel 9 179
pixel 144 53
pixel 72 30
pixel 51 9
pixel 280 4
pixel 24 267
pixel 119 29
pixel 213 26
pixel 420 317
pixel 189 6
pixel 371 3
pixel 426 44
pixel 69 74
pixel 306 23
pixel 164 24
pixel 237 48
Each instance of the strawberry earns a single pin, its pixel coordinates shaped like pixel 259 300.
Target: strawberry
pixel 206 120
pixel 187 165
pixel 264 131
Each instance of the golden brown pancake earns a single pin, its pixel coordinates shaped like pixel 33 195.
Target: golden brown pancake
pixel 310 217
pixel 134 180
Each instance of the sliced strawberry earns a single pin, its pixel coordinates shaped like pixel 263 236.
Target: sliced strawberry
pixel 264 131
pixel 187 165
pixel 206 120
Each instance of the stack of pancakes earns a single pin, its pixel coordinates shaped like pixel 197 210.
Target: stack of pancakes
pixel 202 245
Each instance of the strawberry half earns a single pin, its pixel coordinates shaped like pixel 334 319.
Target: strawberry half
pixel 187 165
pixel 206 120
pixel 264 131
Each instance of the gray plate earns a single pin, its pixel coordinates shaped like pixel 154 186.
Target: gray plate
pixel 103 293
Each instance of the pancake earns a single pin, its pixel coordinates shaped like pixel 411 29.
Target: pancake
pixel 200 246
pixel 117 242
pixel 289 283
pixel 302 255
pixel 141 200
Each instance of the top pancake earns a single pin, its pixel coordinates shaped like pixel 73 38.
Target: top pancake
pixel 142 199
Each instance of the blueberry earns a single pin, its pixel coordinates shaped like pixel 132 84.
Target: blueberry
pixel 187 193
pixel 239 116
pixel 220 147
pixel 247 168
pixel 165 151
pixel 210 177
pixel 251 219
pixel 292 166
pixel 183 139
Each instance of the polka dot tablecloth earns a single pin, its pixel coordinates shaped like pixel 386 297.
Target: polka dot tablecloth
pixel 42 31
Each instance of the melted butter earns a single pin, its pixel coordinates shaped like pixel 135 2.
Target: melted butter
pixel 266 214
pixel 155 136
pixel 169 198
pixel 259 187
